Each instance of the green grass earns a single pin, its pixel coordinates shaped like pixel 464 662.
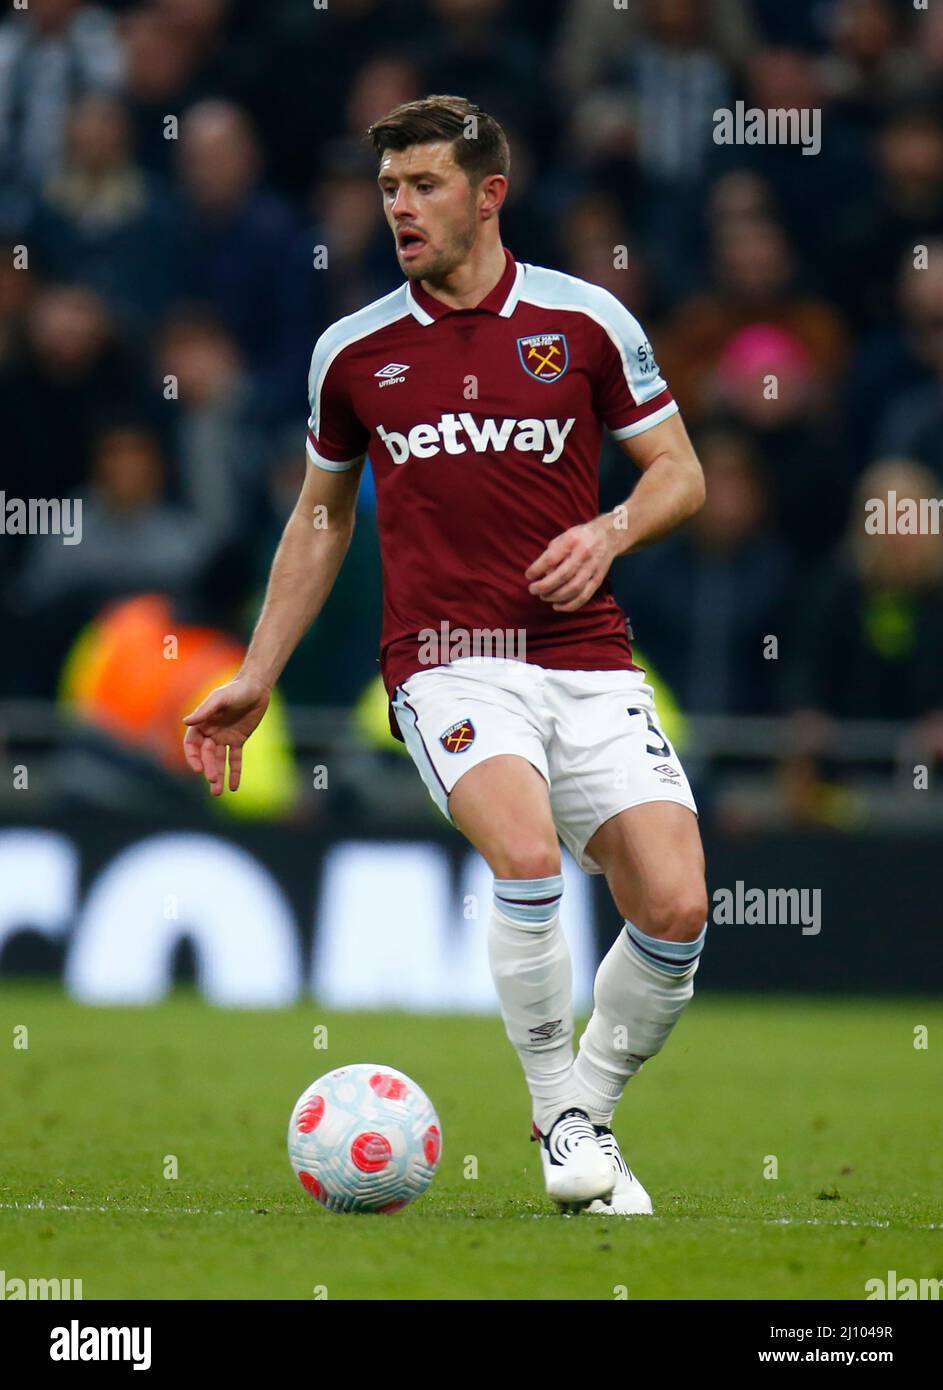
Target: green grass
pixel 834 1089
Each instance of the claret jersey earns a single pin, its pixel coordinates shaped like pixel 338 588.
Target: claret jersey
pixel 483 427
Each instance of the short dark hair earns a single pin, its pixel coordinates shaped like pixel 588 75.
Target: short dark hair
pixel 446 118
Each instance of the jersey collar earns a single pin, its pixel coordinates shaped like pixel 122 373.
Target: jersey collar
pixel 502 300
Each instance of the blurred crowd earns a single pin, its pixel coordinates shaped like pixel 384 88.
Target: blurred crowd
pixel 171 168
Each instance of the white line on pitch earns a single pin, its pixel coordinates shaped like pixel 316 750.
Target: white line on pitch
pixel 540 1215
pixel 113 1211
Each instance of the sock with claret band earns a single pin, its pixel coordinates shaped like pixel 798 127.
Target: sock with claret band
pixel 530 966
pixel 642 987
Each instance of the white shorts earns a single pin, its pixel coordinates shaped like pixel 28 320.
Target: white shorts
pixel 592 735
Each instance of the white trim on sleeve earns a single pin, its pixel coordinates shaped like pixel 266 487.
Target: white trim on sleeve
pixel 646 422
pixel 330 465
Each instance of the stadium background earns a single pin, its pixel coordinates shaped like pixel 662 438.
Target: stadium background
pixel 191 188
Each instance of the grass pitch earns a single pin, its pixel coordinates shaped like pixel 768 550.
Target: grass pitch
pixel 832 1095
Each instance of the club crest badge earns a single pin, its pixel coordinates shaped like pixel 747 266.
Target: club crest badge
pixel 459 737
pixel 544 356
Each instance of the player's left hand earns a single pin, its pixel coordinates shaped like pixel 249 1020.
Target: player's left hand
pixel 573 566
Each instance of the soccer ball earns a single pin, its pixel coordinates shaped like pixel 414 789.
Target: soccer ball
pixel 364 1138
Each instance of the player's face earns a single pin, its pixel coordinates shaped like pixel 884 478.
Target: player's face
pixel 431 208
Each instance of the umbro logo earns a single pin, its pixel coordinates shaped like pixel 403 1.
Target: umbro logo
pixel 392 373
pixel 545 1031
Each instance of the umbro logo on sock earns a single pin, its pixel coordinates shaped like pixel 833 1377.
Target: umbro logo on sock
pixel 545 1031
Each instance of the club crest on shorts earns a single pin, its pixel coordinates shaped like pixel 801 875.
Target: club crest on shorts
pixel 458 737
pixel 544 355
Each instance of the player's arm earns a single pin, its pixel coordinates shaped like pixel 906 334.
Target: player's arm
pixel 306 564
pixel 632 399
pixel 670 490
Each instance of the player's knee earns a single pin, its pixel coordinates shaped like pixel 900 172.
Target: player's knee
pixel 677 916
pixel 527 861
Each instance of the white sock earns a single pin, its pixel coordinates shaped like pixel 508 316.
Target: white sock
pixel 530 966
pixel 641 989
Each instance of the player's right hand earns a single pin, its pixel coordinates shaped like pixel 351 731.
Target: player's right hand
pixel 224 720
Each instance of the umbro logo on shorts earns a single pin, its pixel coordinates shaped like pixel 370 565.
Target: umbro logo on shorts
pixel 459 737
pixel 667 771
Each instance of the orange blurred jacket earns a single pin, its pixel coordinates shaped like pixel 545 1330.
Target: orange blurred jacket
pixel 135 671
